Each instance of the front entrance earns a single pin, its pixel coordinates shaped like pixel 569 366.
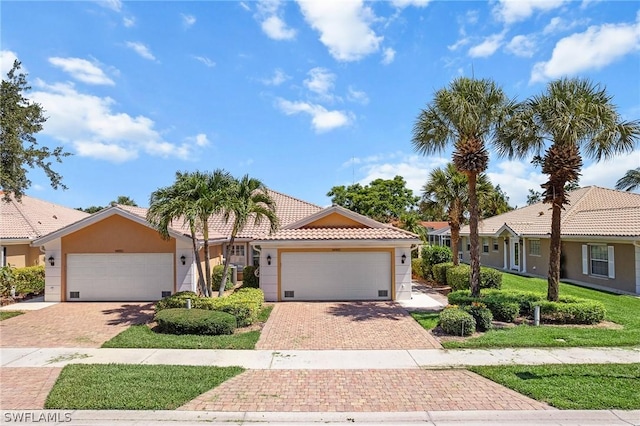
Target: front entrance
pixel 515 253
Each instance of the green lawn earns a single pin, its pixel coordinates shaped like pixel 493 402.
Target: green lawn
pixel 622 310
pixel 133 387
pixel 9 314
pixel 141 336
pixel 572 387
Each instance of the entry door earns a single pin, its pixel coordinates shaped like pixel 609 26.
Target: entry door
pixel 515 253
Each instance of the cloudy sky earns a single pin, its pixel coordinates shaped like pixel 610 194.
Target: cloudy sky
pixel 305 95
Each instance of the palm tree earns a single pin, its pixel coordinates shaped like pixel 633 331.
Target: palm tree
pixel 465 115
pixel 571 115
pixel 410 221
pixel 630 181
pixel 248 199
pixel 494 200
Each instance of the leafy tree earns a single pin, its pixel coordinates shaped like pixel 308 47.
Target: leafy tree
pixel 466 115
pixel 630 181
pixel 20 120
pixel 493 200
pixel 384 200
pixel 410 221
pixel 572 115
pixel 533 197
pixel 247 200
pixel 122 199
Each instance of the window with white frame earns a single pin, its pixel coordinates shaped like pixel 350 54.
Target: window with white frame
pixel 495 244
pixel 534 247
pixel 237 250
pixel 485 245
pixel 599 260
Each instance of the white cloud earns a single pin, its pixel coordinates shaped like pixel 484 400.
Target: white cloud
pixel 272 23
pixel 321 82
pixel 82 70
pixel 558 24
pixel 523 46
pixel 277 79
pixel 141 50
pixel 405 3
pixel 115 5
pixel 129 21
pixel 208 62
pixel 607 173
pixel 322 120
pixel 90 124
pixel 515 178
pixel 595 48
pixel 344 27
pixel 358 96
pixel 388 55
pixel 7 58
pixel 488 47
pixel 188 20
pixel 245 6
pixel 461 42
pixel 510 11
pixel 202 140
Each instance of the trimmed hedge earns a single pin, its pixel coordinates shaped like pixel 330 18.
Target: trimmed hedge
pixel 216 278
pixel 439 272
pixel 458 277
pixel 176 300
pixel 27 280
pixel 433 255
pixel 249 279
pixel 457 322
pixel 195 321
pixel 417 268
pixel 481 314
pixel 570 310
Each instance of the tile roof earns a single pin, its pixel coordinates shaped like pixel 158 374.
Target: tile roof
pixel 592 211
pixel 383 233
pixel 434 225
pixel 32 218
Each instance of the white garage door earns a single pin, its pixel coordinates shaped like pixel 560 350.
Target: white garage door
pixel 119 277
pixel 336 276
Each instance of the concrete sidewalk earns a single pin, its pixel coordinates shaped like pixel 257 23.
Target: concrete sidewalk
pixel 317 360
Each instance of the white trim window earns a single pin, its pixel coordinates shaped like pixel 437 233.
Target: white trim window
pixel 598 260
pixel 237 250
pixel 485 245
pixel 496 246
pixel 534 247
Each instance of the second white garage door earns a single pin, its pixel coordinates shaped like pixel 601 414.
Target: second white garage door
pixel 336 276
pixel 119 277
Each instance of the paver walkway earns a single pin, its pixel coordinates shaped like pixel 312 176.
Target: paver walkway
pixel 343 325
pixel 360 391
pixel 78 324
pixel 26 388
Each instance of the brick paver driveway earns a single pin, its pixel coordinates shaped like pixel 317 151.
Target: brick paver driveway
pixel 343 325
pixel 360 391
pixel 26 388
pixel 77 324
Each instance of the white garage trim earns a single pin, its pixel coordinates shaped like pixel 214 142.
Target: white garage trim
pixel 119 276
pixel 336 274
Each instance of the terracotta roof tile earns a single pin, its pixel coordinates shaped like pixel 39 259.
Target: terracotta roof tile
pixel 32 218
pixel 386 233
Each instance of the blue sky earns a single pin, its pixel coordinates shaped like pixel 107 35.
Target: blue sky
pixel 304 95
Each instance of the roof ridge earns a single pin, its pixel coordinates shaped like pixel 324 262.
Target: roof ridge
pixel 573 206
pixel 294 198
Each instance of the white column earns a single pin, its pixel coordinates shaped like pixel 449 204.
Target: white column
pixel 505 250
pixel 524 255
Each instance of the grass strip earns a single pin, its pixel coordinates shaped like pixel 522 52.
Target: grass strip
pixel 572 387
pixel 133 387
pixel 9 314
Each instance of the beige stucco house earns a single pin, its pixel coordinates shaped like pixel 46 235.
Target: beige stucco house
pixel 600 240
pixel 22 222
pixel 115 254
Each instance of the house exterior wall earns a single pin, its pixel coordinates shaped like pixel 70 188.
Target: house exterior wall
pixel 538 264
pixel 53 274
pixel 21 255
pixel 334 220
pixel 492 258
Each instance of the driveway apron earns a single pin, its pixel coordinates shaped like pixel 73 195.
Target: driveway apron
pixel 343 325
pixel 77 324
pixel 26 388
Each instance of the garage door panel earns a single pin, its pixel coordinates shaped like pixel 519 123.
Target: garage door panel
pixel 336 275
pixel 119 277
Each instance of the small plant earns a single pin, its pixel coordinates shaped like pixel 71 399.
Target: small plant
pixel 216 278
pixel 481 314
pixel 195 321
pixel 249 279
pixel 457 322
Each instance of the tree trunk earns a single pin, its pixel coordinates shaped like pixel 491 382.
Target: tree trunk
pixel 553 278
pixel 455 240
pixel 207 267
pixel 225 271
pixel 474 279
pixel 196 254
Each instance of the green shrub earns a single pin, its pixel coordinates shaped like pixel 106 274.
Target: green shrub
pixel 439 272
pixel 433 255
pixel 417 268
pixel 29 280
pixel 501 308
pixel 461 298
pixel 176 300
pixel 490 278
pixel 458 277
pixel 457 322
pixel 216 278
pixel 572 311
pixel 7 280
pixel 195 321
pixel 481 314
pixel 249 279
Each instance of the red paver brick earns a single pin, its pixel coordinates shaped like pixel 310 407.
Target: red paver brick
pixel 343 325
pixel 360 391
pixel 72 324
pixel 26 388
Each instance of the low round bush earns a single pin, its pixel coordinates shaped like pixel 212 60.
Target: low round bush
pixel 490 278
pixel 216 278
pixel 195 321
pixel 481 314
pixel 176 300
pixel 458 277
pixel 457 322
pixel 439 272
pixel 249 279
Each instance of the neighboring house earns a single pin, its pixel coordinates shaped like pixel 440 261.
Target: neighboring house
pixel 438 233
pixel 600 240
pixel 22 222
pixel 115 254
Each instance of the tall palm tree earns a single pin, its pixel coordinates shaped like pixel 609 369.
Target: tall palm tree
pixel 630 181
pixel 466 115
pixel 575 117
pixel 248 200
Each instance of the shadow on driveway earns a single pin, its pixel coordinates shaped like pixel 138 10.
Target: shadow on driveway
pixel 130 314
pixel 364 311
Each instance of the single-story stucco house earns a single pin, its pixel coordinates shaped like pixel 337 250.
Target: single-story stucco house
pixel 22 222
pixel 318 254
pixel 600 240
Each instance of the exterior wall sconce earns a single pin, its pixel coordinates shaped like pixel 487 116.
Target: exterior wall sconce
pixel 183 259
pixel 268 259
pixel 52 261
pixel 404 257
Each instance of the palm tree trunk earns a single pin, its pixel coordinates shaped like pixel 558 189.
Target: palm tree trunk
pixel 455 239
pixel 225 271
pixel 474 279
pixel 196 254
pixel 553 278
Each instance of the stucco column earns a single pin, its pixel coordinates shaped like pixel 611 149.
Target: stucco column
pixel 505 250
pixel 524 255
